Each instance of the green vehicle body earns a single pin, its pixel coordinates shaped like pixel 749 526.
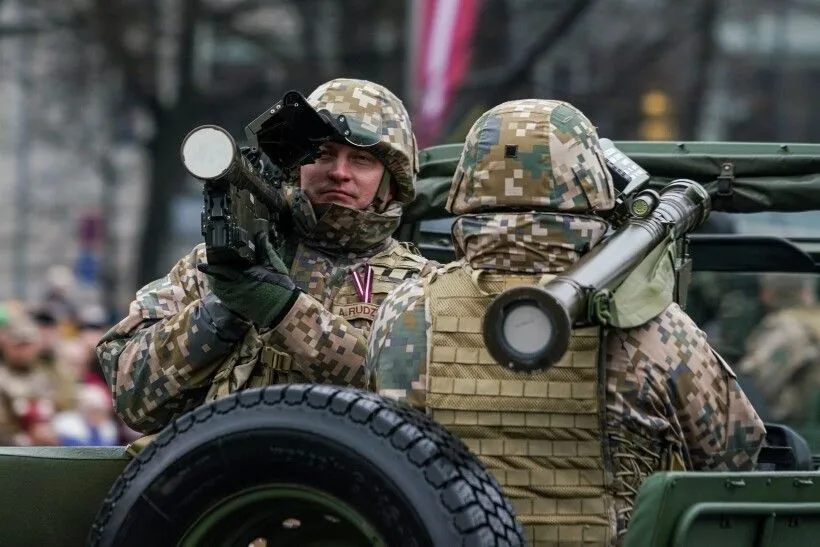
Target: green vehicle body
pixel 52 494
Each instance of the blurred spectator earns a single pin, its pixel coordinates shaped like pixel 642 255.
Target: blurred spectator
pixel 782 362
pixel 58 296
pixel 47 325
pixel 26 387
pixel 92 423
pixel 77 355
pixel 51 339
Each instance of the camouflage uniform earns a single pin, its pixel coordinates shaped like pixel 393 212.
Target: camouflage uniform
pixel 783 353
pixel 570 445
pixel 180 346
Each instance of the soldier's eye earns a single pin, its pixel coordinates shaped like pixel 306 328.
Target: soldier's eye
pixel 364 158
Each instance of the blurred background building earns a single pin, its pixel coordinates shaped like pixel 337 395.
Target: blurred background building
pixel 97 96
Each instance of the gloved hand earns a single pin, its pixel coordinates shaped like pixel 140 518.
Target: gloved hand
pixel 263 293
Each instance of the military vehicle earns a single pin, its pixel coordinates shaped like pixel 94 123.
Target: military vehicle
pixel 321 465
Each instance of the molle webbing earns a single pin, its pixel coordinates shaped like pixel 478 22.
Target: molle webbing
pixel 267 366
pixel 540 434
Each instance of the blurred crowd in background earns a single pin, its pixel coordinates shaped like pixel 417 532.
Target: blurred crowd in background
pixel 52 389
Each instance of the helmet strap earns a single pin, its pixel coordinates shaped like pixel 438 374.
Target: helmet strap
pixel 382 198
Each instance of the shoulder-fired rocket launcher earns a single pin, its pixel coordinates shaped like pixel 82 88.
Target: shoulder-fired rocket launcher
pixel 244 195
pixel 528 328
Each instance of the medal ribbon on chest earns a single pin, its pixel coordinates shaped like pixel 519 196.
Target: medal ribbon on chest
pixel 364 283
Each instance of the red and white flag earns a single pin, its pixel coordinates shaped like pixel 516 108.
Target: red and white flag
pixel 443 38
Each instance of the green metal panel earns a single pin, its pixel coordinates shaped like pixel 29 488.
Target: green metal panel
pixel 52 494
pixel 726 509
pixel 760 524
pixel 758 158
pixel 759 177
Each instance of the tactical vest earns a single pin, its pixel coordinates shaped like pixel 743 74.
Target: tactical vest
pixel 540 434
pixel 258 363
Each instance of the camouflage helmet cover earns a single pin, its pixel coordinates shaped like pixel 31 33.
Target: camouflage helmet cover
pixel 531 153
pixel 378 108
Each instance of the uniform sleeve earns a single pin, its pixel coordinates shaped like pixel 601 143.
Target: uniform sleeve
pixel 397 351
pixel 159 360
pixel 325 346
pixel 682 381
pixel 721 428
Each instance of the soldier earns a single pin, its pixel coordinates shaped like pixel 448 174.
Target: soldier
pixel 782 361
pixel 191 338
pixel 531 189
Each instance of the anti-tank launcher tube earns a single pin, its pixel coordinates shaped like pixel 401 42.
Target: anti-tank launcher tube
pixel 238 200
pixel 528 328
pixel 210 154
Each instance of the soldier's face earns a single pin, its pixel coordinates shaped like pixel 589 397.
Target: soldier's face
pixel 343 175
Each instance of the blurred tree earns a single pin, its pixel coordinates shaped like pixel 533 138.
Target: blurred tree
pixel 618 65
pixel 484 89
pixel 704 56
pixel 186 62
pixel 152 45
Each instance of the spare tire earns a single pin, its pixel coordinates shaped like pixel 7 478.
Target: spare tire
pixel 305 465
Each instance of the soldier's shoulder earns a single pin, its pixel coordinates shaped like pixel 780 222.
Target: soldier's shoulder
pixel 186 265
pixel 174 290
pixel 398 339
pixel 783 336
pixel 401 260
pixel 672 318
pixel 784 329
pixel 404 297
pixel 793 318
pixel 671 338
pixel 195 256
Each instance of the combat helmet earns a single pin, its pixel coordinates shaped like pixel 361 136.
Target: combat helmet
pixel 531 154
pixel 379 121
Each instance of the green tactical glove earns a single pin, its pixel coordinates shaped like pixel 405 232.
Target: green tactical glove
pixel 263 293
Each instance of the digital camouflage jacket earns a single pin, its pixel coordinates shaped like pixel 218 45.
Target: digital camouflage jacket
pixel 178 339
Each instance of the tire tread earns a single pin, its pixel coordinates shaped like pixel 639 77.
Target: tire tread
pixel 468 493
